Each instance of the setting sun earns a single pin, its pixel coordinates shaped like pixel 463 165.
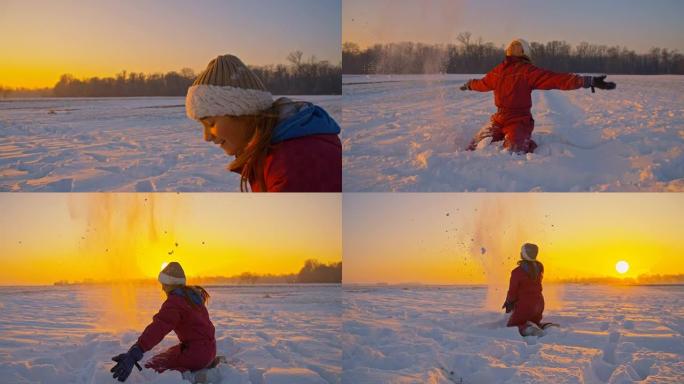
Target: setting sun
pixel 164 264
pixel 476 238
pixel 621 266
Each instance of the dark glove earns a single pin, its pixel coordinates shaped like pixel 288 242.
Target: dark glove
pixel 125 362
pixel 598 82
pixel 508 306
pixel 466 86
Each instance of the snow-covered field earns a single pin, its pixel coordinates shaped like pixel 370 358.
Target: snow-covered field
pixel 269 334
pixel 408 133
pixel 443 335
pixel 113 144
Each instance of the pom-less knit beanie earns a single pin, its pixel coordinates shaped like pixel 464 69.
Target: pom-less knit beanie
pixel 529 251
pixel 172 274
pixel 226 88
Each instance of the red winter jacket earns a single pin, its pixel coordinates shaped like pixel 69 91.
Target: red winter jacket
pixel 526 294
pixel 522 288
pixel 514 80
pixel 193 328
pixel 304 164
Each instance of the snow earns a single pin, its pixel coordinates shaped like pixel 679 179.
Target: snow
pixel 444 334
pixel 269 334
pixel 409 133
pixel 113 144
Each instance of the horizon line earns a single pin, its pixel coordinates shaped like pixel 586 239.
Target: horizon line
pixel 503 45
pixel 197 72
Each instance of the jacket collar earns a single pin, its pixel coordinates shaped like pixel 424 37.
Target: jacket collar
pixel 517 59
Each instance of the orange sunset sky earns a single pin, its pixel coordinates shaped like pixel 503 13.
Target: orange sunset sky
pixel 43 39
pixel 476 237
pixel 101 236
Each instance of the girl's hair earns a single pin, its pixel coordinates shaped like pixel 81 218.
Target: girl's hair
pixel 189 291
pixel 534 268
pixel 250 161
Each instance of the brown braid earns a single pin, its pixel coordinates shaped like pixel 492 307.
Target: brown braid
pixel 535 268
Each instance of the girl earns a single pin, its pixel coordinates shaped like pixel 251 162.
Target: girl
pixel 525 297
pixel 280 146
pixel 183 312
pixel 513 82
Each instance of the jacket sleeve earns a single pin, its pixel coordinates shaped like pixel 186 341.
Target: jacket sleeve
pixel 162 323
pixel 512 295
pixel 486 84
pixel 539 78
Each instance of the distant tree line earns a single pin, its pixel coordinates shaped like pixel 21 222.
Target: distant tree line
pixel 316 272
pixel 298 77
pixel 126 84
pixel 302 77
pixel 677 279
pixel 24 92
pixel 467 55
pixel 313 272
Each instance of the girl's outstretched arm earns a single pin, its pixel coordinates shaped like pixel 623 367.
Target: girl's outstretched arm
pixel 540 78
pixel 484 84
pixel 162 323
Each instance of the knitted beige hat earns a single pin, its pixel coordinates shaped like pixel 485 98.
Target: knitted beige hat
pixel 226 87
pixel 172 274
pixel 526 50
pixel 529 251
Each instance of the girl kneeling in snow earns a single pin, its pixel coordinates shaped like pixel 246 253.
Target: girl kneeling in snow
pixel 525 297
pixel 183 312
pixel 280 146
pixel 513 82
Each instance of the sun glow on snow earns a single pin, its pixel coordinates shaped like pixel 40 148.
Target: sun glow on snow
pixel 621 266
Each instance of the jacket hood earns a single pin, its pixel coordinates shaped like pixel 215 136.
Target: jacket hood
pixel 192 294
pixel 303 119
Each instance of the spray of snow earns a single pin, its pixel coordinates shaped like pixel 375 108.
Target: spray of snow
pixel 433 20
pixel 499 230
pixel 116 226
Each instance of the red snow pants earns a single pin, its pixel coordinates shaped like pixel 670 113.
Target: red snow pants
pixel 515 131
pixel 181 358
pixel 527 309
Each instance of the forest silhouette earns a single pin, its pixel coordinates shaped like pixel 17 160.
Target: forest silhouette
pixel 468 55
pixel 299 76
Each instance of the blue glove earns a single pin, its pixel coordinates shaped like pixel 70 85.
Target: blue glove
pixel 125 362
